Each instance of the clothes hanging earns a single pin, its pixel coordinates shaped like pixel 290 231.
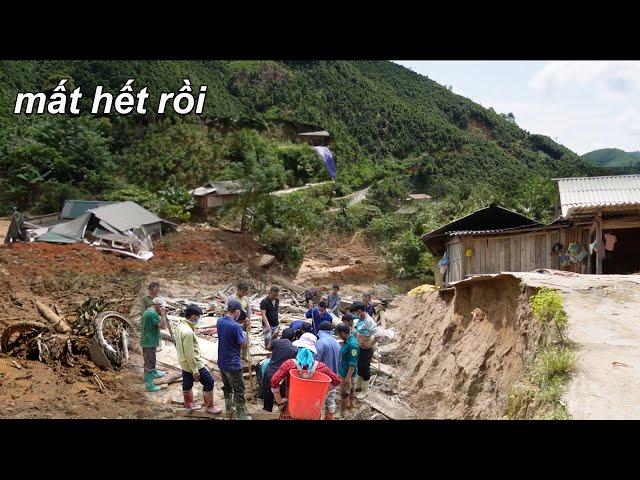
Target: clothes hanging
pixel 609 241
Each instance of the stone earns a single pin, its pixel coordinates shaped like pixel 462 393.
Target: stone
pixel 266 260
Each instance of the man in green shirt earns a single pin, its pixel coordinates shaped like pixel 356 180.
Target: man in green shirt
pixel 153 319
pixel 193 368
pixel 147 300
pixel 349 353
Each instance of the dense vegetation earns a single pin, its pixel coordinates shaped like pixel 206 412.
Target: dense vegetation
pixel 614 158
pixel 391 128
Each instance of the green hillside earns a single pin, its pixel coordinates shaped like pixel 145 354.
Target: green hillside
pixel 391 128
pixel 613 158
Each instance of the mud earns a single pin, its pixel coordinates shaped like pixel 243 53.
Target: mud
pixel 464 348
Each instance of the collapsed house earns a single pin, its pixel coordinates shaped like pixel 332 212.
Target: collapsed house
pixel 597 230
pixel 121 227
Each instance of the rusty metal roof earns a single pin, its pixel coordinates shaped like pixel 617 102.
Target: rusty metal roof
pixel 588 193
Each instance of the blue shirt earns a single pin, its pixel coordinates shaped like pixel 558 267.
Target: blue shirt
pixel 328 350
pixel 370 309
pixel 297 325
pixel 230 337
pixel 317 320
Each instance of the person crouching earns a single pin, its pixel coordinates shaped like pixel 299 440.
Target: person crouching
pixel 191 363
pixel 306 363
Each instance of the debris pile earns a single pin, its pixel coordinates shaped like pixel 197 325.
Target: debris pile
pixel 124 228
pixel 102 337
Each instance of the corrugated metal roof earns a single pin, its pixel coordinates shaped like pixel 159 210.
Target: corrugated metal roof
pixel 222 187
pixel 584 193
pixel 75 208
pixel 124 216
pixel 320 133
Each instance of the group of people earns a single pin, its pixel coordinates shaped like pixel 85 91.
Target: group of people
pixel 308 346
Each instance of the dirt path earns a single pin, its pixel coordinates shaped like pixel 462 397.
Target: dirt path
pixel 603 320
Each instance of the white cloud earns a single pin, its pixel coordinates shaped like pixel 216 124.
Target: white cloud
pixel 629 120
pixel 614 80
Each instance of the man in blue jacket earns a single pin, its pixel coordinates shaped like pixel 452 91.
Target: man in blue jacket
pixel 319 314
pixel 328 350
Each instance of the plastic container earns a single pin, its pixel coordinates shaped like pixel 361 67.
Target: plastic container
pixel 306 395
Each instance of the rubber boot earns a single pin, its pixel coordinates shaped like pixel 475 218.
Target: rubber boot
pixel 241 412
pixel 189 404
pixel 148 383
pixel 228 406
pixel 328 415
pixel 158 373
pixel 365 390
pixel 358 383
pixel 208 403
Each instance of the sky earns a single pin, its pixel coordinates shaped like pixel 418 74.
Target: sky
pixel 584 105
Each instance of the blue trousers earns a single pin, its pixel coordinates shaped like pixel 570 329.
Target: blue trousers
pixel 205 379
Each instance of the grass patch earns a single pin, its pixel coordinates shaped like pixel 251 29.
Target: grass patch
pixel 539 395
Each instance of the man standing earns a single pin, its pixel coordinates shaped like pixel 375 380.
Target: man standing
pixel 282 350
pixel 193 368
pixel 269 311
pixel 348 368
pixel 153 319
pixel 365 334
pixel 232 338
pixel 333 300
pixel 328 352
pixel 147 300
pixel 319 315
pixel 241 296
pixel 368 304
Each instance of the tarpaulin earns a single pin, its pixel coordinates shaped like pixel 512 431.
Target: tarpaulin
pixel 329 162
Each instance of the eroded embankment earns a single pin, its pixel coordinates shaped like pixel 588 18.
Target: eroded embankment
pixel 464 348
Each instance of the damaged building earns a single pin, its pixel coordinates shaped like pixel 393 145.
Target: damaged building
pixel 121 227
pixel 597 231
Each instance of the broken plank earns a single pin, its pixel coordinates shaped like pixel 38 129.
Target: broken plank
pixel 386 369
pixel 393 410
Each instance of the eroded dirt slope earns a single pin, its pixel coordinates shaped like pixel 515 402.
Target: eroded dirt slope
pixel 457 364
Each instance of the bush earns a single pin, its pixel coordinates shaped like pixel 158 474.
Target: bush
pixel 144 197
pixel 547 307
pixel 176 203
pixel 53 195
pixel 348 219
pixel 285 244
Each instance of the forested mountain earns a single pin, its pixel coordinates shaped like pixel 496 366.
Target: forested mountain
pixel 613 158
pixel 391 128
pixel 375 110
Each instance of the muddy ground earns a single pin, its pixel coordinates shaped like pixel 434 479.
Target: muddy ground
pixel 66 275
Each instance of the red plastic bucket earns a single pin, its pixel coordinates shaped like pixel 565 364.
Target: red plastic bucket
pixel 306 395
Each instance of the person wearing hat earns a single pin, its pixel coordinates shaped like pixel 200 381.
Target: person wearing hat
pixel 231 339
pixel 328 350
pixel 365 330
pixel 306 363
pixel 334 299
pixel 193 368
pixel 153 319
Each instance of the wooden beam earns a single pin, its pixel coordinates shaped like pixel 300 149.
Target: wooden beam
pixel 599 245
